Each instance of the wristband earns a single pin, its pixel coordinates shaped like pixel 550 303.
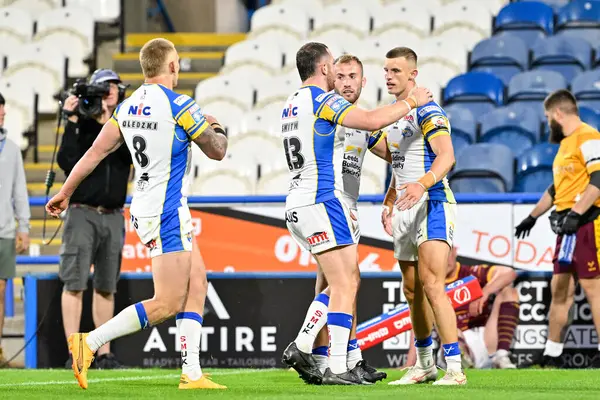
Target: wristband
pixel 414 101
pixel 386 208
pixel 434 177
pixel 423 186
pixel 407 105
pixel 218 128
pixel 427 181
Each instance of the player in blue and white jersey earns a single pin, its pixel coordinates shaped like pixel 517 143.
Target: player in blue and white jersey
pixel 423 219
pixel 316 216
pixel 158 126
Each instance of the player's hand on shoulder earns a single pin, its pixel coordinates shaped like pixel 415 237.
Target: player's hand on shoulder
pixel 412 193
pixel 421 95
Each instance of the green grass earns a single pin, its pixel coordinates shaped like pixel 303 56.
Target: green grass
pixel 280 384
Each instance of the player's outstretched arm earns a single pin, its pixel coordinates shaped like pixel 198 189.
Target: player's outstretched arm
pixel 381 117
pixel 212 141
pixel 108 140
pixel 388 203
pixel 543 205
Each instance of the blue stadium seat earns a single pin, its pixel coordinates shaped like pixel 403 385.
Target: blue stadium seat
pixel 526 19
pixel 580 18
pixel 503 56
pixel 587 87
pixel 534 168
pixel 555 4
pixel 567 55
pixel 589 116
pixel 481 90
pixel 516 128
pixel 463 125
pixel 534 85
pixel 483 168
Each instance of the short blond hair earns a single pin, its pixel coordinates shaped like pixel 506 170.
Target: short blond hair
pixel 153 56
pixel 348 59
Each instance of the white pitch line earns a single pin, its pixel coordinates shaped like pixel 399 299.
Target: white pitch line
pixel 129 378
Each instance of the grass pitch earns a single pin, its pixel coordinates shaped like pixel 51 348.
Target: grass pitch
pixel 281 384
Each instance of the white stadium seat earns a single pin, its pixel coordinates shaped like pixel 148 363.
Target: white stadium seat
pixel 222 182
pixel 275 90
pixel 274 181
pixel 74 26
pixel 372 177
pixel 223 89
pixel 16 29
pixel 313 8
pixel 262 121
pixel 406 22
pixel 229 117
pixel 40 69
pixel 35 7
pixel 493 6
pixel 19 111
pixel 373 49
pixel 284 19
pixel 463 22
pixel 441 60
pixel 337 43
pixel 106 11
pixel 253 58
pixel 254 148
pixel 345 20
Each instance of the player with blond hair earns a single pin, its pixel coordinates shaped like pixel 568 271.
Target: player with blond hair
pixel 158 126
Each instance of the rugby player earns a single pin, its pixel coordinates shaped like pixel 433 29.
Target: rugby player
pixel 349 83
pixel 158 126
pixel 316 217
pixel 487 325
pixel 576 194
pixel 422 220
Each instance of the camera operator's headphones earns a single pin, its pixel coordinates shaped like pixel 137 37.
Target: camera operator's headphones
pixel 108 75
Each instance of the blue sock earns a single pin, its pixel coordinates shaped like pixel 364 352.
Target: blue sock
pixel 141 313
pixel 320 351
pixel 452 356
pixel 354 354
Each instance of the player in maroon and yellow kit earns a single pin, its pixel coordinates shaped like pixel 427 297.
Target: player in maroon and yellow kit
pixel 486 327
pixel 576 194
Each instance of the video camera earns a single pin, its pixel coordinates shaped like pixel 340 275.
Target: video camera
pixel 90 97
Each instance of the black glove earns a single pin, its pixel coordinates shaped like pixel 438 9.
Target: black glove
pixel 570 223
pixel 523 229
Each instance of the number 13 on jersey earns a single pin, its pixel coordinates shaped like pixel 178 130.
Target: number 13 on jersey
pixel 292 147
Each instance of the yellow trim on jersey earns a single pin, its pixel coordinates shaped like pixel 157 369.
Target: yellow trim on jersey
pixel 440 133
pixel 200 130
pixel 176 118
pixel 114 121
pixel 490 273
pixel 454 276
pixel 340 119
pixel 383 136
pixel 593 168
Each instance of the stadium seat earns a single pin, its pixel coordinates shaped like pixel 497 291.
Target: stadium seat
pixel 17 29
pixel 440 60
pixel 529 20
pixel 36 7
pixel 337 44
pixel 223 182
pixel 566 55
pixel 253 148
pixel 285 19
pixel 372 50
pixel 483 168
pixel 274 181
pixel 408 20
pixel 262 121
pixel 276 90
pixel 580 18
pixel 518 129
pixel 74 26
pixel 503 56
pixel 463 126
pixel 534 168
pixel 373 174
pixel 534 85
pixel 555 4
pixel 222 91
pixel 19 111
pixel 462 22
pixel 344 19
pixel 106 11
pixel 586 87
pixel 589 116
pixel 481 90
pixel 252 59
pixel 39 69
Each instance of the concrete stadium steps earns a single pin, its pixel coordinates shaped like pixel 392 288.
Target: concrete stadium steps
pixel 187 80
pixel 36 172
pixel 186 42
pixel 189 61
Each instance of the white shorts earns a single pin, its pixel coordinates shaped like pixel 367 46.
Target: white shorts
pixel 427 220
pixel 474 339
pixel 323 226
pixel 169 232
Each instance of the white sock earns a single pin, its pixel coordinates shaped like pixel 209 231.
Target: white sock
pixel 320 354
pixel 189 325
pixel 354 354
pixel 554 349
pixel 452 357
pixel 424 349
pixel 315 320
pixel 339 325
pixel 131 319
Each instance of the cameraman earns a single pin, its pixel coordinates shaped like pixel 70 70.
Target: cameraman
pixel 94 227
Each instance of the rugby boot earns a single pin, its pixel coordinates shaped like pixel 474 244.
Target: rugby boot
pixel 345 378
pixel 452 378
pixel 82 357
pixel 416 375
pixel 501 360
pixel 303 363
pixel 368 373
pixel 185 383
